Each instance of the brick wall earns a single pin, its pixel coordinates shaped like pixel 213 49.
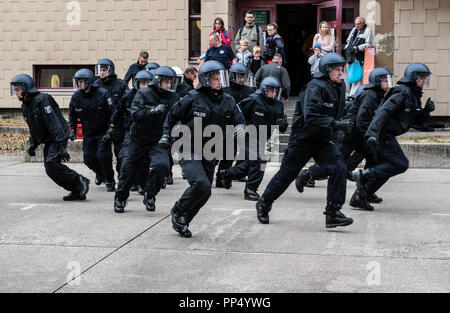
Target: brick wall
pixel 422 34
pixel 37 32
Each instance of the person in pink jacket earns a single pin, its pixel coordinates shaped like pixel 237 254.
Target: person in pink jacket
pixel 324 38
pixel 219 29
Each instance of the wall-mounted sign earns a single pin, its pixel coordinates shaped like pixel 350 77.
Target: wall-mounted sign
pixel 262 17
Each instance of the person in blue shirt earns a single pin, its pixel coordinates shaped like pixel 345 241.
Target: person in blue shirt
pixel 221 53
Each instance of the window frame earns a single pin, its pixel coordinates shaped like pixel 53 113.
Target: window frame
pixel 38 67
pixel 193 17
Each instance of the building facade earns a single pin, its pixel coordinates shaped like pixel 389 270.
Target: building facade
pixel 50 40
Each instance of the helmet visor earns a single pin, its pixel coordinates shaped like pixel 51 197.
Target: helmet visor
pixel 426 77
pixel 168 83
pixel 16 88
pixel 217 79
pixel 273 92
pixel 239 78
pixel 388 80
pixel 80 83
pixel 103 70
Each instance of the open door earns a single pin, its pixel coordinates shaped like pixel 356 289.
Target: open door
pixel 331 12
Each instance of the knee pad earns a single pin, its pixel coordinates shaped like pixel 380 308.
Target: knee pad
pixel 203 188
pixel 50 167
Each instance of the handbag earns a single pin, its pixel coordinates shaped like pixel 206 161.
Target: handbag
pixel 355 73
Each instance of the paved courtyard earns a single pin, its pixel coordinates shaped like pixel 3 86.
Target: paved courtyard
pixel 403 246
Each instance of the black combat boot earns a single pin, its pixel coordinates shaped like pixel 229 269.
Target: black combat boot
pixel 334 217
pixel 302 179
pixel 169 179
pixel 149 203
pixel 262 211
pixel 224 178
pixel 374 199
pixel 72 196
pixel 98 180
pixel 119 206
pixel 251 195
pixel 179 223
pixel 311 183
pixel 83 187
pixel 361 178
pixel 110 186
pixel 219 182
pixel 359 201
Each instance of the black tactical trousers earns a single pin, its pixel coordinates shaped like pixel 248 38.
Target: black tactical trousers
pixel 325 154
pixel 391 161
pixel 97 156
pixel 199 174
pixel 138 156
pixel 61 174
pixel 142 175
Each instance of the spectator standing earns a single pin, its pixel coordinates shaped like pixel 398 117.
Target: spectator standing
pixel 218 52
pixel 219 29
pixel 243 55
pixel 360 38
pixel 315 59
pixel 252 32
pixel 276 70
pixel 324 38
pixel 256 61
pixel 136 67
pixel 274 44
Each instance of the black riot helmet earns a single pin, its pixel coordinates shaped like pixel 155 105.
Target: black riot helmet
pixel 142 76
pixel 377 75
pixel 105 64
pixel 83 74
pixel 164 75
pixel 239 74
pixel 270 84
pixel 328 61
pixel 414 71
pixel 151 66
pixel 212 70
pixel 25 82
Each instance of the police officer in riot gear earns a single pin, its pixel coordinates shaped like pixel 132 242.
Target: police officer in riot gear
pixel 239 76
pixel 116 87
pixel 148 112
pixel 316 120
pixel 206 105
pixel 48 126
pixel 122 116
pixel 262 108
pixel 93 106
pixel 393 118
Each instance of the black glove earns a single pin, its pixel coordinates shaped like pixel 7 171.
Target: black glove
pixel 108 134
pixel 340 137
pixel 429 106
pixel 31 150
pixel 160 109
pixel 72 135
pixel 63 155
pixel 372 141
pixel 164 142
pixel 283 124
pixel 345 125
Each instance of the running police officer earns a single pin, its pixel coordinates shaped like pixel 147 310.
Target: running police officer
pixel 148 112
pixel 262 108
pixel 116 87
pixel 239 76
pixel 206 105
pixel 122 116
pixel 317 118
pixel 48 126
pixel 93 106
pixel 394 118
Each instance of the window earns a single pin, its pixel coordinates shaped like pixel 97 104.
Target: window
pixel 195 29
pixel 57 77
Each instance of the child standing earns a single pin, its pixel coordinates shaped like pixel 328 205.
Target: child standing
pixel 243 55
pixel 315 59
